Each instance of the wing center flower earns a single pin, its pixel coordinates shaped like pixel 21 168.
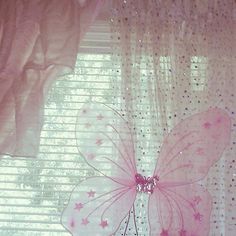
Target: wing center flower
pixel 145 184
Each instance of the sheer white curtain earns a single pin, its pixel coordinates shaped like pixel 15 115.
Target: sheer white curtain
pixel 178 58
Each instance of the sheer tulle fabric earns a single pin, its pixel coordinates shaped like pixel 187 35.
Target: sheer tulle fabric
pixel 177 204
pixel 38 41
pixel 177 58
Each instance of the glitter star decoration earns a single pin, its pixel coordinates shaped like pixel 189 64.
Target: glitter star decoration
pixel 103 224
pixel 78 206
pixel 91 193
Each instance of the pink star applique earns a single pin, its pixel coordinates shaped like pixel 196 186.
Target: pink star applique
pixel 91 193
pixel 103 224
pixel 84 221
pixel 207 125
pixel 78 206
pixel 164 233
pixel 99 142
pixel 100 117
pixel 197 216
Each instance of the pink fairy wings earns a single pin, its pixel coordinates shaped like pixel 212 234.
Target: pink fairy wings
pixel 179 211
pixel 99 204
pixel 193 146
pixel 105 141
pixel 97 207
pixel 178 206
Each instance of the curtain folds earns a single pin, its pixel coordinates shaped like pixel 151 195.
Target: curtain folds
pixel 177 58
pixel 39 40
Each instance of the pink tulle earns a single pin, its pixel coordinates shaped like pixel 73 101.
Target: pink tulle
pixel 98 205
pixel 193 146
pixel 38 41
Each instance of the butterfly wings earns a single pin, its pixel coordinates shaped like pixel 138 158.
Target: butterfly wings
pixel 105 141
pixel 180 211
pixel 178 205
pixel 193 146
pixel 99 204
pixel 97 207
pixel 182 206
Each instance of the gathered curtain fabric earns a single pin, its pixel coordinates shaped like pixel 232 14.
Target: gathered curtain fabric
pixel 39 40
pixel 177 58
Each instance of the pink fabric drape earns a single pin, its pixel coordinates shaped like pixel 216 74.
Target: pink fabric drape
pixel 38 40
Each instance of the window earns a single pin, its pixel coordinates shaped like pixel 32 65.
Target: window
pixel 34 191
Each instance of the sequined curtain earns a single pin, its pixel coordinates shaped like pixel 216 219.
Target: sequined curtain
pixel 177 58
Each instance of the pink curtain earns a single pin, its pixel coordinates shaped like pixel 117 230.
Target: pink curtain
pixel 38 41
